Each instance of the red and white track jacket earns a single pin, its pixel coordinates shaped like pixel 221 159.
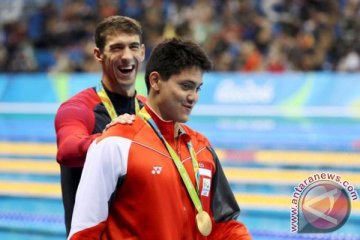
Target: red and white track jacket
pixel 130 187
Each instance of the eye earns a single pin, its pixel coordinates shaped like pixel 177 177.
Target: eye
pixel 116 47
pixel 135 46
pixel 187 86
pixel 198 88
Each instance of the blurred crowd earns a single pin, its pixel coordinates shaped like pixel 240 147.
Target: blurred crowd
pixel 239 35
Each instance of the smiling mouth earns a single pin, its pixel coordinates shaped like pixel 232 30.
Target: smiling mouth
pixel 188 107
pixel 126 69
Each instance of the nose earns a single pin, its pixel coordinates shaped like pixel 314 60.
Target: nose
pixel 127 54
pixel 193 97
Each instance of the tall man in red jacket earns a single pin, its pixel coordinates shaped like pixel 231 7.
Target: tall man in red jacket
pixel 83 117
pixel 158 178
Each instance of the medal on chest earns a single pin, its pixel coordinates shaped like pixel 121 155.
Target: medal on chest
pixel 203 222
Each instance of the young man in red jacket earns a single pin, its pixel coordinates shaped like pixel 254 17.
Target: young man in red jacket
pixel 83 117
pixel 158 178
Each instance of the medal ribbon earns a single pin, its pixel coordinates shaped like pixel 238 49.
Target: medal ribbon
pixel 180 167
pixel 108 104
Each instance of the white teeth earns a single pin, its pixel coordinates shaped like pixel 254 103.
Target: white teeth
pixel 126 68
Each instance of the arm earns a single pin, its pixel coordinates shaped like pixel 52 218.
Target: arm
pixel 74 123
pixel 225 208
pixel 105 163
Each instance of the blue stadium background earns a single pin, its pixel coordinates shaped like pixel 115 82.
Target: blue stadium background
pixel 271 131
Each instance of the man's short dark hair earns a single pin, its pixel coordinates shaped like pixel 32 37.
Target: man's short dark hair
pixel 114 24
pixel 174 55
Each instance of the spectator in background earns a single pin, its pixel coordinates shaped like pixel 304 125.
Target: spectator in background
pixel 251 58
pixel 275 60
pixel 20 52
pixel 67 25
pixel 350 62
pixel 120 51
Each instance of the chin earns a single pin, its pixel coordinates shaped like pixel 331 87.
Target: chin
pixel 183 120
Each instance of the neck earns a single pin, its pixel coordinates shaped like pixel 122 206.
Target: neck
pixel 124 92
pixel 116 88
pixel 155 109
pixel 168 126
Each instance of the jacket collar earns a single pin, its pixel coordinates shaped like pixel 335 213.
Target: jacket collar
pixel 169 129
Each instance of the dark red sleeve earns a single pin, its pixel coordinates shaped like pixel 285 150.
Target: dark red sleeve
pixel 74 124
pixel 230 230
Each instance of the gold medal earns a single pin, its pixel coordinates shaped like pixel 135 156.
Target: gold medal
pixel 203 222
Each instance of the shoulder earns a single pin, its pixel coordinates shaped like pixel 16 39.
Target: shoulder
pixel 196 137
pixel 87 95
pixel 141 98
pixel 128 131
pixel 87 98
pixel 80 105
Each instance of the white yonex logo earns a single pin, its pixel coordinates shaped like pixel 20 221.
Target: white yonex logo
pixel 156 170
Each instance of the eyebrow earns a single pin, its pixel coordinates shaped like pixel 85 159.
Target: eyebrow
pixel 125 44
pixel 189 81
pixel 135 43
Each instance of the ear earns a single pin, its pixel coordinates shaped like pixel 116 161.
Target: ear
pixel 98 55
pixel 154 79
